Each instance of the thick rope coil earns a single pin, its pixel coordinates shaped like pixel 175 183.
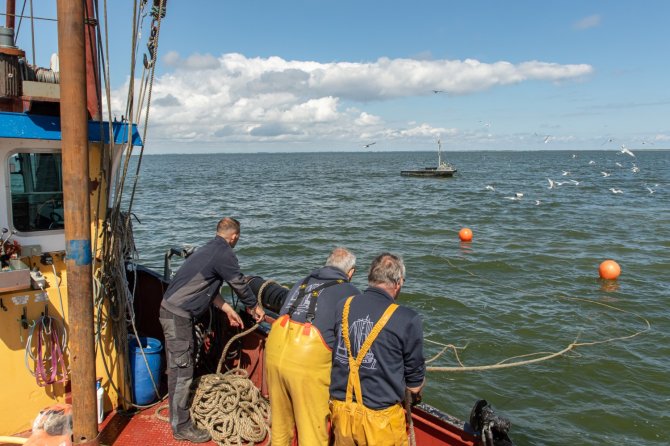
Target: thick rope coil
pixel 231 408
pixel 228 405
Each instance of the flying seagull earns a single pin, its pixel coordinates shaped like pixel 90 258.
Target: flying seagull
pixel 606 174
pixel 438 91
pixel 551 183
pixel 625 150
pixel 370 144
pixel 616 191
pixel 489 187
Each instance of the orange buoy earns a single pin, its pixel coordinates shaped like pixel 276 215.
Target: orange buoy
pixel 609 270
pixel 465 234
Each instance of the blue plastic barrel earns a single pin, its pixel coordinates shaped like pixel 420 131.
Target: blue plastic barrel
pixel 143 388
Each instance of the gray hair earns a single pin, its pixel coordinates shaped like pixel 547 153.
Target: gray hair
pixel 386 268
pixel 341 258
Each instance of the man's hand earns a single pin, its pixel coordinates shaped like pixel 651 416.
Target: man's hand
pixel 257 312
pixel 233 318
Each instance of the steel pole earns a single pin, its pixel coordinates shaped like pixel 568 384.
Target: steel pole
pixel 74 128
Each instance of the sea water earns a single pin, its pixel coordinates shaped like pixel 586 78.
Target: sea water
pixel 526 286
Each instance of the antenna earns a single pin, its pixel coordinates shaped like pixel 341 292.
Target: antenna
pixel 439 152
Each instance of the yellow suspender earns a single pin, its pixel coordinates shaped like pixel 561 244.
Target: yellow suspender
pixel 354 382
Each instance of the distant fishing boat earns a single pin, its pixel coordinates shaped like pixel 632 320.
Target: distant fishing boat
pixel 443 170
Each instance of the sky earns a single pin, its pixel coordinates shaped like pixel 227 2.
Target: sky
pixel 322 75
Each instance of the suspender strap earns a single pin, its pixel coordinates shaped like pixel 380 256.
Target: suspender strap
pixel 298 299
pixel 311 311
pixel 354 382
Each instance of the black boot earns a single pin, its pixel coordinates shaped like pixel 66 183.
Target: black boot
pixel 192 434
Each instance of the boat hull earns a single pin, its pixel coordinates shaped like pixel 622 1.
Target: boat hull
pixel 428 173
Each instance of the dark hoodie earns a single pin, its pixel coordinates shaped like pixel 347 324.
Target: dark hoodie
pixel 327 301
pixel 199 280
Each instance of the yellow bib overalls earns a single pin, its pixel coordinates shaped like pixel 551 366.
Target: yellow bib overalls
pixel 298 363
pixel 354 424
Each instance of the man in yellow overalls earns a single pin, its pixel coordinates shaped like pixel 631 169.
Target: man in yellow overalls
pixel 379 354
pixel 299 352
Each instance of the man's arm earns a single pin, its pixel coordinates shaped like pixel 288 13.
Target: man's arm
pixel 415 363
pixel 233 318
pixel 231 273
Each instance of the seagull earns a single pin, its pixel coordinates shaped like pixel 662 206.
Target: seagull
pixel 485 124
pixel 547 139
pixel 606 174
pixel 517 196
pixel 537 202
pixel 566 173
pixel 489 187
pixel 370 144
pixel 618 164
pixel 625 150
pixel 551 183
pixel 438 91
pixel 575 182
pixel 635 169
pixel 574 156
pixel 616 191
pixel 609 140
pixel 592 162
pixel 651 191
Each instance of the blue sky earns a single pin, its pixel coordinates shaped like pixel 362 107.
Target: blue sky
pixel 248 76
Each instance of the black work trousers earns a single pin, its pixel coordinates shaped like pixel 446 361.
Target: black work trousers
pixel 179 342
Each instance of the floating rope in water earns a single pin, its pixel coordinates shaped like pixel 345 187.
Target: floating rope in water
pixel 546 355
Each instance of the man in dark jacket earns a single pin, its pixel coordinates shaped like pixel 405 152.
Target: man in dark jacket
pixel 299 352
pixel 195 286
pixel 378 356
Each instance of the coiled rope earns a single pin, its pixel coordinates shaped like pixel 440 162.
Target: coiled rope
pixel 545 355
pixel 228 405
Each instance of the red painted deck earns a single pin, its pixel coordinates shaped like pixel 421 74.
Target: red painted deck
pixel 140 429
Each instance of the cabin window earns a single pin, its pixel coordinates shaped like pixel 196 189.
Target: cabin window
pixel 36 188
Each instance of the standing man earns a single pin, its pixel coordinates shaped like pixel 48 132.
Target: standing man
pixel 195 286
pixel 299 352
pixel 379 355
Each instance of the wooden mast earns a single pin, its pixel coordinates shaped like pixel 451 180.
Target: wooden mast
pixel 74 128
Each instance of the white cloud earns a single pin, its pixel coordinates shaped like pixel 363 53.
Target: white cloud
pixel 234 98
pixel 591 21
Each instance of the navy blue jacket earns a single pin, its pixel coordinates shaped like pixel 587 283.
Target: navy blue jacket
pixel 395 360
pixel 327 302
pixel 200 277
